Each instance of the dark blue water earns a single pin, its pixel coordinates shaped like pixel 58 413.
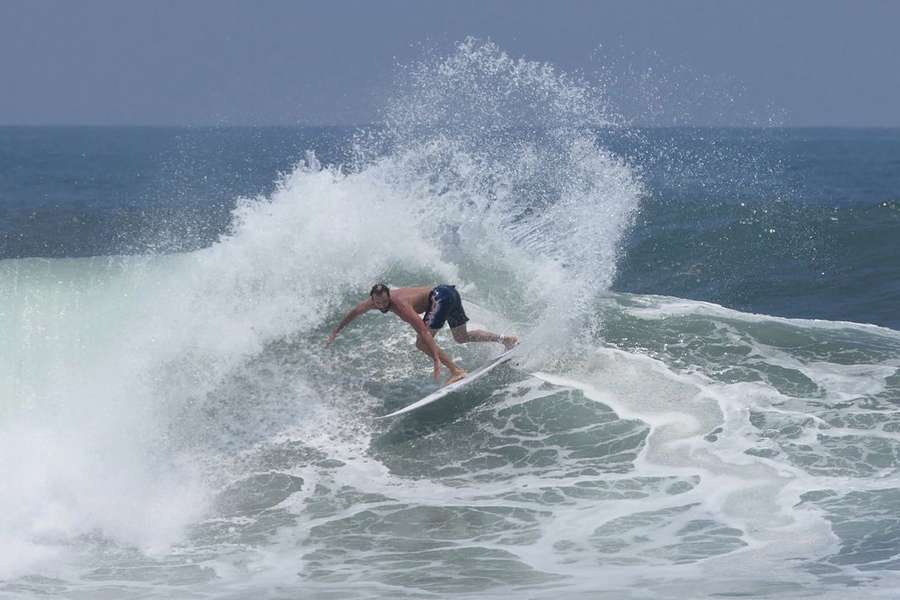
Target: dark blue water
pixel 92 191
pixel 800 223
pixel 790 222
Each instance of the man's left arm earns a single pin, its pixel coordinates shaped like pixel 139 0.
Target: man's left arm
pixel 409 315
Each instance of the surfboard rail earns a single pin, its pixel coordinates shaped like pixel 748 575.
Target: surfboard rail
pixel 456 385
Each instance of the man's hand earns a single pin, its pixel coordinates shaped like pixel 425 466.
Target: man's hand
pixel 329 340
pixel 437 370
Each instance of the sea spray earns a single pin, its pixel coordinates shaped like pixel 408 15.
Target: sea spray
pixel 499 160
pixel 201 370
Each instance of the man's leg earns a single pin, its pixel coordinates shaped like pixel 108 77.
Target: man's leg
pixel 462 336
pixel 455 372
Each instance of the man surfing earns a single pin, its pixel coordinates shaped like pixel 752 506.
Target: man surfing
pixel 440 305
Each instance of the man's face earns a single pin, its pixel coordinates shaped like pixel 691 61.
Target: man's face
pixel 382 302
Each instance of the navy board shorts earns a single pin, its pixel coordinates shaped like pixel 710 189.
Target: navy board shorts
pixel 444 305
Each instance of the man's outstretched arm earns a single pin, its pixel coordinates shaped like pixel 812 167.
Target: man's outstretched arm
pixel 360 309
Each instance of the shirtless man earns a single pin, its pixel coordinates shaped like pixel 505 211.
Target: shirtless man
pixel 440 304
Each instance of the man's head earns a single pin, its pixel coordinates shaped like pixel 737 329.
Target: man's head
pixel 381 296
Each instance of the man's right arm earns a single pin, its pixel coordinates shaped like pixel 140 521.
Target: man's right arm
pixel 360 309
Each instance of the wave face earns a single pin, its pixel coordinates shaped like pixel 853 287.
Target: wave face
pixel 171 424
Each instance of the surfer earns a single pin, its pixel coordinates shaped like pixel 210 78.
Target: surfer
pixel 440 305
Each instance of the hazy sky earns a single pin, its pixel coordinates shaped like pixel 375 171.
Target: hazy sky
pixel 806 62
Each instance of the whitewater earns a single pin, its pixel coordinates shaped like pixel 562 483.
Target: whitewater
pixel 172 425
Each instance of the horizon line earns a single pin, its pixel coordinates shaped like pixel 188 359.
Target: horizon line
pixel 372 125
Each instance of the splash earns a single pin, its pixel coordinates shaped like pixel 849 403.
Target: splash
pixel 499 160
pixel 486 172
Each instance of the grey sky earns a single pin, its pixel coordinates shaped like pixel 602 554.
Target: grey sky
pixel 819 62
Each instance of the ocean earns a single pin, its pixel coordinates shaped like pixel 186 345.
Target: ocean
pixel 702 407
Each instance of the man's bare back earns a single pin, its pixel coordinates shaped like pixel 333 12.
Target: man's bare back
pixel 415 297
pixel 439 304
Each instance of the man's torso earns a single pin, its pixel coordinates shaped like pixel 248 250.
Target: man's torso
pixel 416 297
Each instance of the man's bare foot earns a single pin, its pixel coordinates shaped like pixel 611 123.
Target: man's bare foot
pixel 456 377
pixel 508 341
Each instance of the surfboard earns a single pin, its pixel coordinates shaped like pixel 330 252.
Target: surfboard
pixel 456 385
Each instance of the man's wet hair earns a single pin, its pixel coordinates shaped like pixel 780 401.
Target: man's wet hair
pixel 379 288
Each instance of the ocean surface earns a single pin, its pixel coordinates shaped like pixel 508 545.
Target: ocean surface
pixel 704 404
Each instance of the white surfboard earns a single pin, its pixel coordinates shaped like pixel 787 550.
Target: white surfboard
pixel 456 385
